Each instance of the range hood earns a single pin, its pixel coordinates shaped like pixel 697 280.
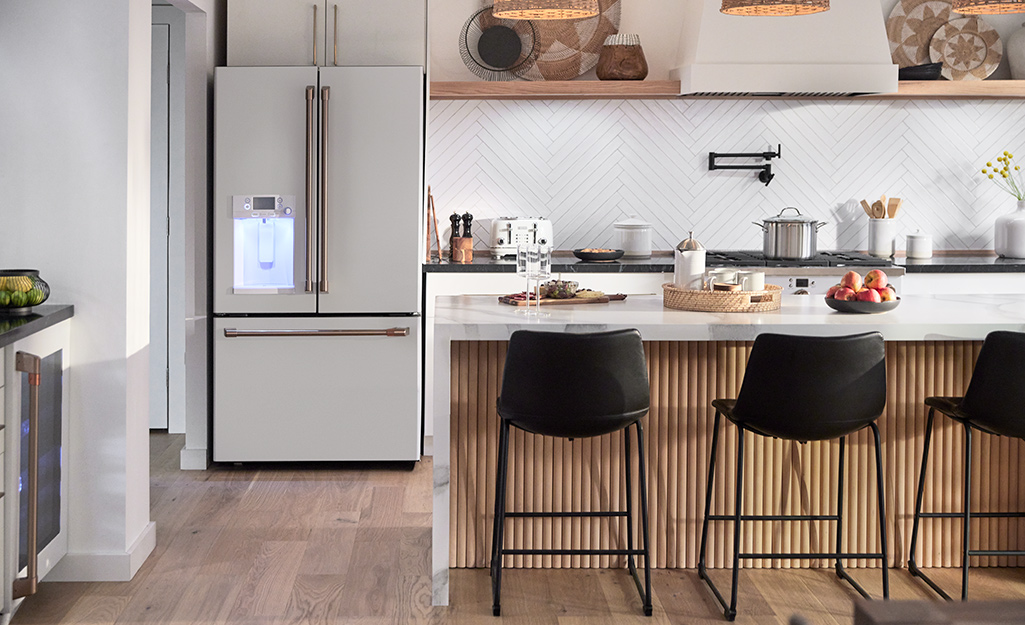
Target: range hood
pixel 840 52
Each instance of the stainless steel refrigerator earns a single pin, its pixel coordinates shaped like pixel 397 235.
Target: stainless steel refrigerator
pixel 318 198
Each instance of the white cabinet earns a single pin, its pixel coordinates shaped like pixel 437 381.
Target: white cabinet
pixel 326 32
pixel 51 345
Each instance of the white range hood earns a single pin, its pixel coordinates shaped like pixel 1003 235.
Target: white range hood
pixel 842 51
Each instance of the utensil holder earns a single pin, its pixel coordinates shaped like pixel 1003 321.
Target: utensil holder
pixel 881 237
pixel 621 58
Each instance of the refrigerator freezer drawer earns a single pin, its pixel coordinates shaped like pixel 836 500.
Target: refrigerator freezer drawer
pixel 310 389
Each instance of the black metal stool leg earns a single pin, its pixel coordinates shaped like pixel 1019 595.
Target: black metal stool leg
pixel 966 530
pixel 882 511
pixel 628 476
pixel 912 557
pixel 702 573
pixel 731 612
pixel 839 509
pixel 498 533
pixel 643 488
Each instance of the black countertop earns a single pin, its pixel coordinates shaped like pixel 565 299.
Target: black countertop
pixel 662 262
pixel 13 328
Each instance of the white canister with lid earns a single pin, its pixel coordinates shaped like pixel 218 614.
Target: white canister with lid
pixel 689 264
pixel 634 236
pixel 918 244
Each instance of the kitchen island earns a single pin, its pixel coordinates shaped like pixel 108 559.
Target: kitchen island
pixel 694 357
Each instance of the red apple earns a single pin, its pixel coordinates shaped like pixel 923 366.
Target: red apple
pixel 868 295
pixel 887 294
pixel 875 279
pixel 852 280
pixel 845 294
pixel 833 289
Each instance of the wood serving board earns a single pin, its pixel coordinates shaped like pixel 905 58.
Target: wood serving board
pixel 605 299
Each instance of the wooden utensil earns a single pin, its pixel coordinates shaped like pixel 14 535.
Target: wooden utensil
pixel 878 210
pixel 893 206
pixel 868 209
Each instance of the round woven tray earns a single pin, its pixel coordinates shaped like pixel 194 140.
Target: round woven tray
pixel 722 301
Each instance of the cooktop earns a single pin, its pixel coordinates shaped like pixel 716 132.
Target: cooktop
pixel 753 258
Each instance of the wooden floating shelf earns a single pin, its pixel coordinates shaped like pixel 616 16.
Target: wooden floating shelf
pixel 670 89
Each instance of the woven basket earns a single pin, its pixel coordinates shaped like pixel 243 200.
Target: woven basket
pixel 722 301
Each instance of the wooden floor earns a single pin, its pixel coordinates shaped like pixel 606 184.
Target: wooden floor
pixel 270 545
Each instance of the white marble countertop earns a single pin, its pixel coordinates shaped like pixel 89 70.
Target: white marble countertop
pixel 917 318
pixel 483 318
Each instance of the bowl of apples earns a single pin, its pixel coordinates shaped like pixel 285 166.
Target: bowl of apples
pixel 854 294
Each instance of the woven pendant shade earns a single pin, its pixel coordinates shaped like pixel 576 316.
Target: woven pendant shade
pixel 544 9
pixel 988 7
pixel 774 7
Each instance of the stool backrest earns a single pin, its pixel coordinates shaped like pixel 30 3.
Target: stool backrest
pixel 574 385
pixel 813 388
pixel 995 398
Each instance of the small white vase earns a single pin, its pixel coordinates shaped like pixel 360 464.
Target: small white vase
pixel 1014 50
pixel 1009 233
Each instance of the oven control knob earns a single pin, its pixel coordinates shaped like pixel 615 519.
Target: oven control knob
pixel 501 241
pixel 542 241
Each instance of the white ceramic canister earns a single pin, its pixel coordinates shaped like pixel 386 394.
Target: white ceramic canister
pixel 634 236
pixel 881 237
pixel 689 264
pixel 918 245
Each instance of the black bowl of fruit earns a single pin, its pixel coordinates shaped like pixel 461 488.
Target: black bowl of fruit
pixel 592 254
pixel 20 290
pixel 868 295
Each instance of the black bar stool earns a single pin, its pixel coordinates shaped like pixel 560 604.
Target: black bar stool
pixel 573 386
pixel 995 404
pixel 805 389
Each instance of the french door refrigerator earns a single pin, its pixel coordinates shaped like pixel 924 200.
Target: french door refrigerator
pixel 318 197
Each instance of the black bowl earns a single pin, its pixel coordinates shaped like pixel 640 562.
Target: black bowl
pixel 843 306
pixel 929 71
pixel 582 255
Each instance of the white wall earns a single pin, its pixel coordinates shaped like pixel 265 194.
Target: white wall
pixel 74 172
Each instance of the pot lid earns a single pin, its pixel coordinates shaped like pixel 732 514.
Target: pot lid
pixel 790 219
pixel 689 244
pixel 632 222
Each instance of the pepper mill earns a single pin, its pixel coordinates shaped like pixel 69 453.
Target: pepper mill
pixel 467 221
pixel 454 218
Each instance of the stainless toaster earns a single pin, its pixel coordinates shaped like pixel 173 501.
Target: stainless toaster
pixel 508 232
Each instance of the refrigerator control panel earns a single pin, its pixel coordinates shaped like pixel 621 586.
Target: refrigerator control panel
pixel 262 206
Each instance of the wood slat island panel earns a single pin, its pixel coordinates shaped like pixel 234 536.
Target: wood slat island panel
pixel 781 476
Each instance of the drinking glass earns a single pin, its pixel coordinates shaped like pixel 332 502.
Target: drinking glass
pixel 539 267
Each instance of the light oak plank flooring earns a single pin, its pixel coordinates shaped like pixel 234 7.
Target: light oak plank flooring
pixel 320 544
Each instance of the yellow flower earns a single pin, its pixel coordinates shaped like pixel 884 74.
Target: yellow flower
pixel 988 164
pixel 991 175
pixel 1006 153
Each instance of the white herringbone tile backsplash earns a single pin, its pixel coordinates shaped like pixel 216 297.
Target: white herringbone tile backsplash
pixel 587 164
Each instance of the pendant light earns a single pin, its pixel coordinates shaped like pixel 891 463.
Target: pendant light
pixel 987 7
pixel 544 9
pixel 775 7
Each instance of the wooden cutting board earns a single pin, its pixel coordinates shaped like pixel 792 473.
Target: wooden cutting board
pixel 605 299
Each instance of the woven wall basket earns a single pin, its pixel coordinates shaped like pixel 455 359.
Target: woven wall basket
pixel 569 48
pixel 774 7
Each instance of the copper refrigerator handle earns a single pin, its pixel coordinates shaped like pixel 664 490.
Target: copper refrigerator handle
pixel 30 364
pixel 335 55
pixel 310 95
pixel 314 34
pixel 325 95
pixel 232 333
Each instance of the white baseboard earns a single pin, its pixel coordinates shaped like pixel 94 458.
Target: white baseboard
pixel 428 445
pixel 193 459
pixel 106 567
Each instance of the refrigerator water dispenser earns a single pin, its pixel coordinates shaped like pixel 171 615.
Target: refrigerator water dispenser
pixel 264 243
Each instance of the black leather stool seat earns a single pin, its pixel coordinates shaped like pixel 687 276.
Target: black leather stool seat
pixel 574 386
pixel 994 403
pixel 802 388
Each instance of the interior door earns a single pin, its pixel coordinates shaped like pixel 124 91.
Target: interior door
pixel 159 220
pixel 375 134
pixel 264 145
